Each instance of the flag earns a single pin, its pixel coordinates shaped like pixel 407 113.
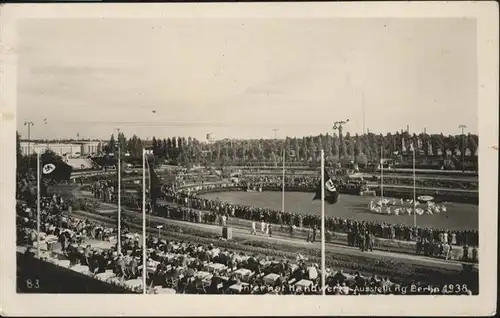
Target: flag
pixel 412 149
pixel 54 168
pixel 155 190
pixel 331 193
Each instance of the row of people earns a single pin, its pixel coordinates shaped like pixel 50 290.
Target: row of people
pixel 304 220
pixel 314 181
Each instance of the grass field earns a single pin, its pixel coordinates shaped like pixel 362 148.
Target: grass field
pixel 458 215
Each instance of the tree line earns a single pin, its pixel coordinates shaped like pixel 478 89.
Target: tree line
pixel 363 148
pixel 359 148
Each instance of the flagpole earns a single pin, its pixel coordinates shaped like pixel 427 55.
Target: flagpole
pixel 38 177
pixel 323 256
pixel 382 172
pixel 414 192
pixel 283 185
pixel 150 194
pixel 144 247
pixel 119 247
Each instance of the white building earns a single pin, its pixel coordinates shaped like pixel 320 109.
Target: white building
pixel 71 149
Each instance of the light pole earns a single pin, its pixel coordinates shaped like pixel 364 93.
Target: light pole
pixel 29 124
pixel 463 146
pixel 338 125
pixel 119 194
pixel 275 130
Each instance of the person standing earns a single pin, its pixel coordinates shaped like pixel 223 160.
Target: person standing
pixel 474 254
pixel 371 240
pixel 362 242
pixel 224 220
pixel 466 253
pixel 446 250
pixel 254 232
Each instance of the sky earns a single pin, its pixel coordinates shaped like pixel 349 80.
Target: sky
pixel 239 78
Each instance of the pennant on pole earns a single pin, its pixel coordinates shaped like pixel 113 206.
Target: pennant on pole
pixel 56 169
pixel 331 193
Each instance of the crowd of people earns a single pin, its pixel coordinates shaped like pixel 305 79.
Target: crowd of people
pixel 191 268
pixel 187 267
pixel 300 182
pixel 104 190
pixel 379 229
pixel 434 183
pixel 312 181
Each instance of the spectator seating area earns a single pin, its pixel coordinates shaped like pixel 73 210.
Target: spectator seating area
pixel 183 267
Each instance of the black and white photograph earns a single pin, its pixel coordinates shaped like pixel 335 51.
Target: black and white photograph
pixel 214 153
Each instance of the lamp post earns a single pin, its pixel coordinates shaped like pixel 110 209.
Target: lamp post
pixel 463 146
pixel 29 124
pixel 119 193
pixel 338 125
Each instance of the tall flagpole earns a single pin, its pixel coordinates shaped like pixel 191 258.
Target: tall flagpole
pixel 283 185
pixel 119 248
pixel 382 172
pixel 414 191
pixel 150 194
pixel 144 247
pixel 38 177
pixel 323 256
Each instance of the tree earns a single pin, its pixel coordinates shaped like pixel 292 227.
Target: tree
pixel 349 147
pixel 312 150
pixel 168 146
pixel 397 142
pixel 303 149
pixel 357 146
pixel 112 146
pixel 342 147
pixel 19 152
pixel 472 143
pixel 296 147
pixel 328 147
pixel 335 146
pixel 122 142
pixel 389 144
pixel 319 143
pixel 155 147
pixel 425 143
